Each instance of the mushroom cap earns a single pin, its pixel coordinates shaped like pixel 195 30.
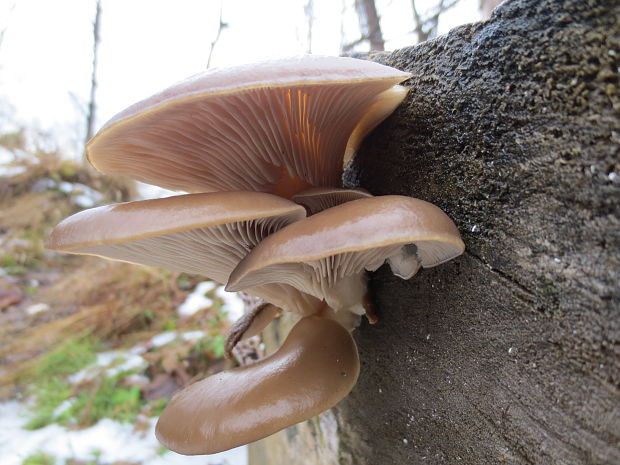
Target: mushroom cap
pixel 317 199
pixel 316 366
pixel 384 105
pixel 278 126
pixel 317 253
pixel 206 234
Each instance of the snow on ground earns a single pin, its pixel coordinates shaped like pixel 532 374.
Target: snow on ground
pixel 197 300
pixel 109 441
pixel 110 364
pixel 162 339
pixel 233 305
pixel 106 442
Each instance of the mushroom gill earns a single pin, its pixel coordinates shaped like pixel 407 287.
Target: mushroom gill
pixel 326 254
pixel 277 127
pixel 206 234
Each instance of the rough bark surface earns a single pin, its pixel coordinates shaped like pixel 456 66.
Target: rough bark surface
pixel 511 353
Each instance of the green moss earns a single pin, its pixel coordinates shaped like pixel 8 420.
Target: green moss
pixel 67 358
pixel 49 394
pixel 105 397
pixel 109 398
pixel 211 347
pixel 88 402
pixel 39 458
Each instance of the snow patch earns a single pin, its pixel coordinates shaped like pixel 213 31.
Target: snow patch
pixel 193 335
pixel 37 308
pixel 233 305
pixel 197 300
pixel 107 442
pixel 110 364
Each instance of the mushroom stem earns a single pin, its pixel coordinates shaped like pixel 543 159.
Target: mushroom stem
pixel 347 293
pixel 316 366
pixel 250 325
pixel 405 263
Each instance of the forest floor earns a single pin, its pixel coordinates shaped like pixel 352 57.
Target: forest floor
pixel 91 350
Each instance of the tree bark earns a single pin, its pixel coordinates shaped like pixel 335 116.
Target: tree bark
pixel 511 353
pixel 92 105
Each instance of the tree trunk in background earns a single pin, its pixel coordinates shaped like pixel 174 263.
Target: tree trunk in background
pixel 511 353
pixel 92 105
pixel 486 7
pixel 369 24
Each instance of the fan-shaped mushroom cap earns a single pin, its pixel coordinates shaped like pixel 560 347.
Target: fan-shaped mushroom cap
pixel 206 234
pixel 278 127
pixel 316 366
pixel 317 199
pixel 325 254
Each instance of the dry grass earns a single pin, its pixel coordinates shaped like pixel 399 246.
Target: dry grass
pixel 113 303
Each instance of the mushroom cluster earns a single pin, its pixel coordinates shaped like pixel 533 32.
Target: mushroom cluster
pixel 261 150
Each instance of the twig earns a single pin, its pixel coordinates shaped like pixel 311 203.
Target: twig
pixel 309 11
pixel 221 26
pixel 92 107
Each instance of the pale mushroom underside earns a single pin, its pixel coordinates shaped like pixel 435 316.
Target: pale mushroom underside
pixel 268 139
pixel 212 252
pixel 317 277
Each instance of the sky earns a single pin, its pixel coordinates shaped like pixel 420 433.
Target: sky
pixel 147 45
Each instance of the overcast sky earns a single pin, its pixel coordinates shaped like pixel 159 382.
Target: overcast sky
pixel 146 45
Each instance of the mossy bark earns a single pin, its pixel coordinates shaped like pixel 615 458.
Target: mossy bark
pixel 511 353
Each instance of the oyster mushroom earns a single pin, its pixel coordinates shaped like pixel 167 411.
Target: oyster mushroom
pixel 277 127
pixel 206 234
pixel 316 366
pixel 325 255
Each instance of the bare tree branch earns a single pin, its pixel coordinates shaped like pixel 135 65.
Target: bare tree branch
pixel 426 25
pixel 343 13
pixel 351 45
pixel 221 26
pixel 92 106
pixel 6 26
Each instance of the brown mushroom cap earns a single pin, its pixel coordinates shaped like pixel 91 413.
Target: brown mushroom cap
pixel 206 234
pixel 317 199
pixel 278 127
pixel 383 106
pixel 316 366
pixel 316 254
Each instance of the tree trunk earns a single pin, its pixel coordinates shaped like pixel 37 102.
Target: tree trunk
pixel 370 26
pixel 511 353
pixel 92 105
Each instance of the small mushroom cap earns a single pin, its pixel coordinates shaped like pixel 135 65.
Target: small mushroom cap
pixel 206 234
pixel 317 199
pixel 278 127
pixel 250 324
pixel 384 105
pixel 318 252
pixel 316 366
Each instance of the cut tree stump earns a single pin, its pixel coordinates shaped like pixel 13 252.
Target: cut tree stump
pixel 511 353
